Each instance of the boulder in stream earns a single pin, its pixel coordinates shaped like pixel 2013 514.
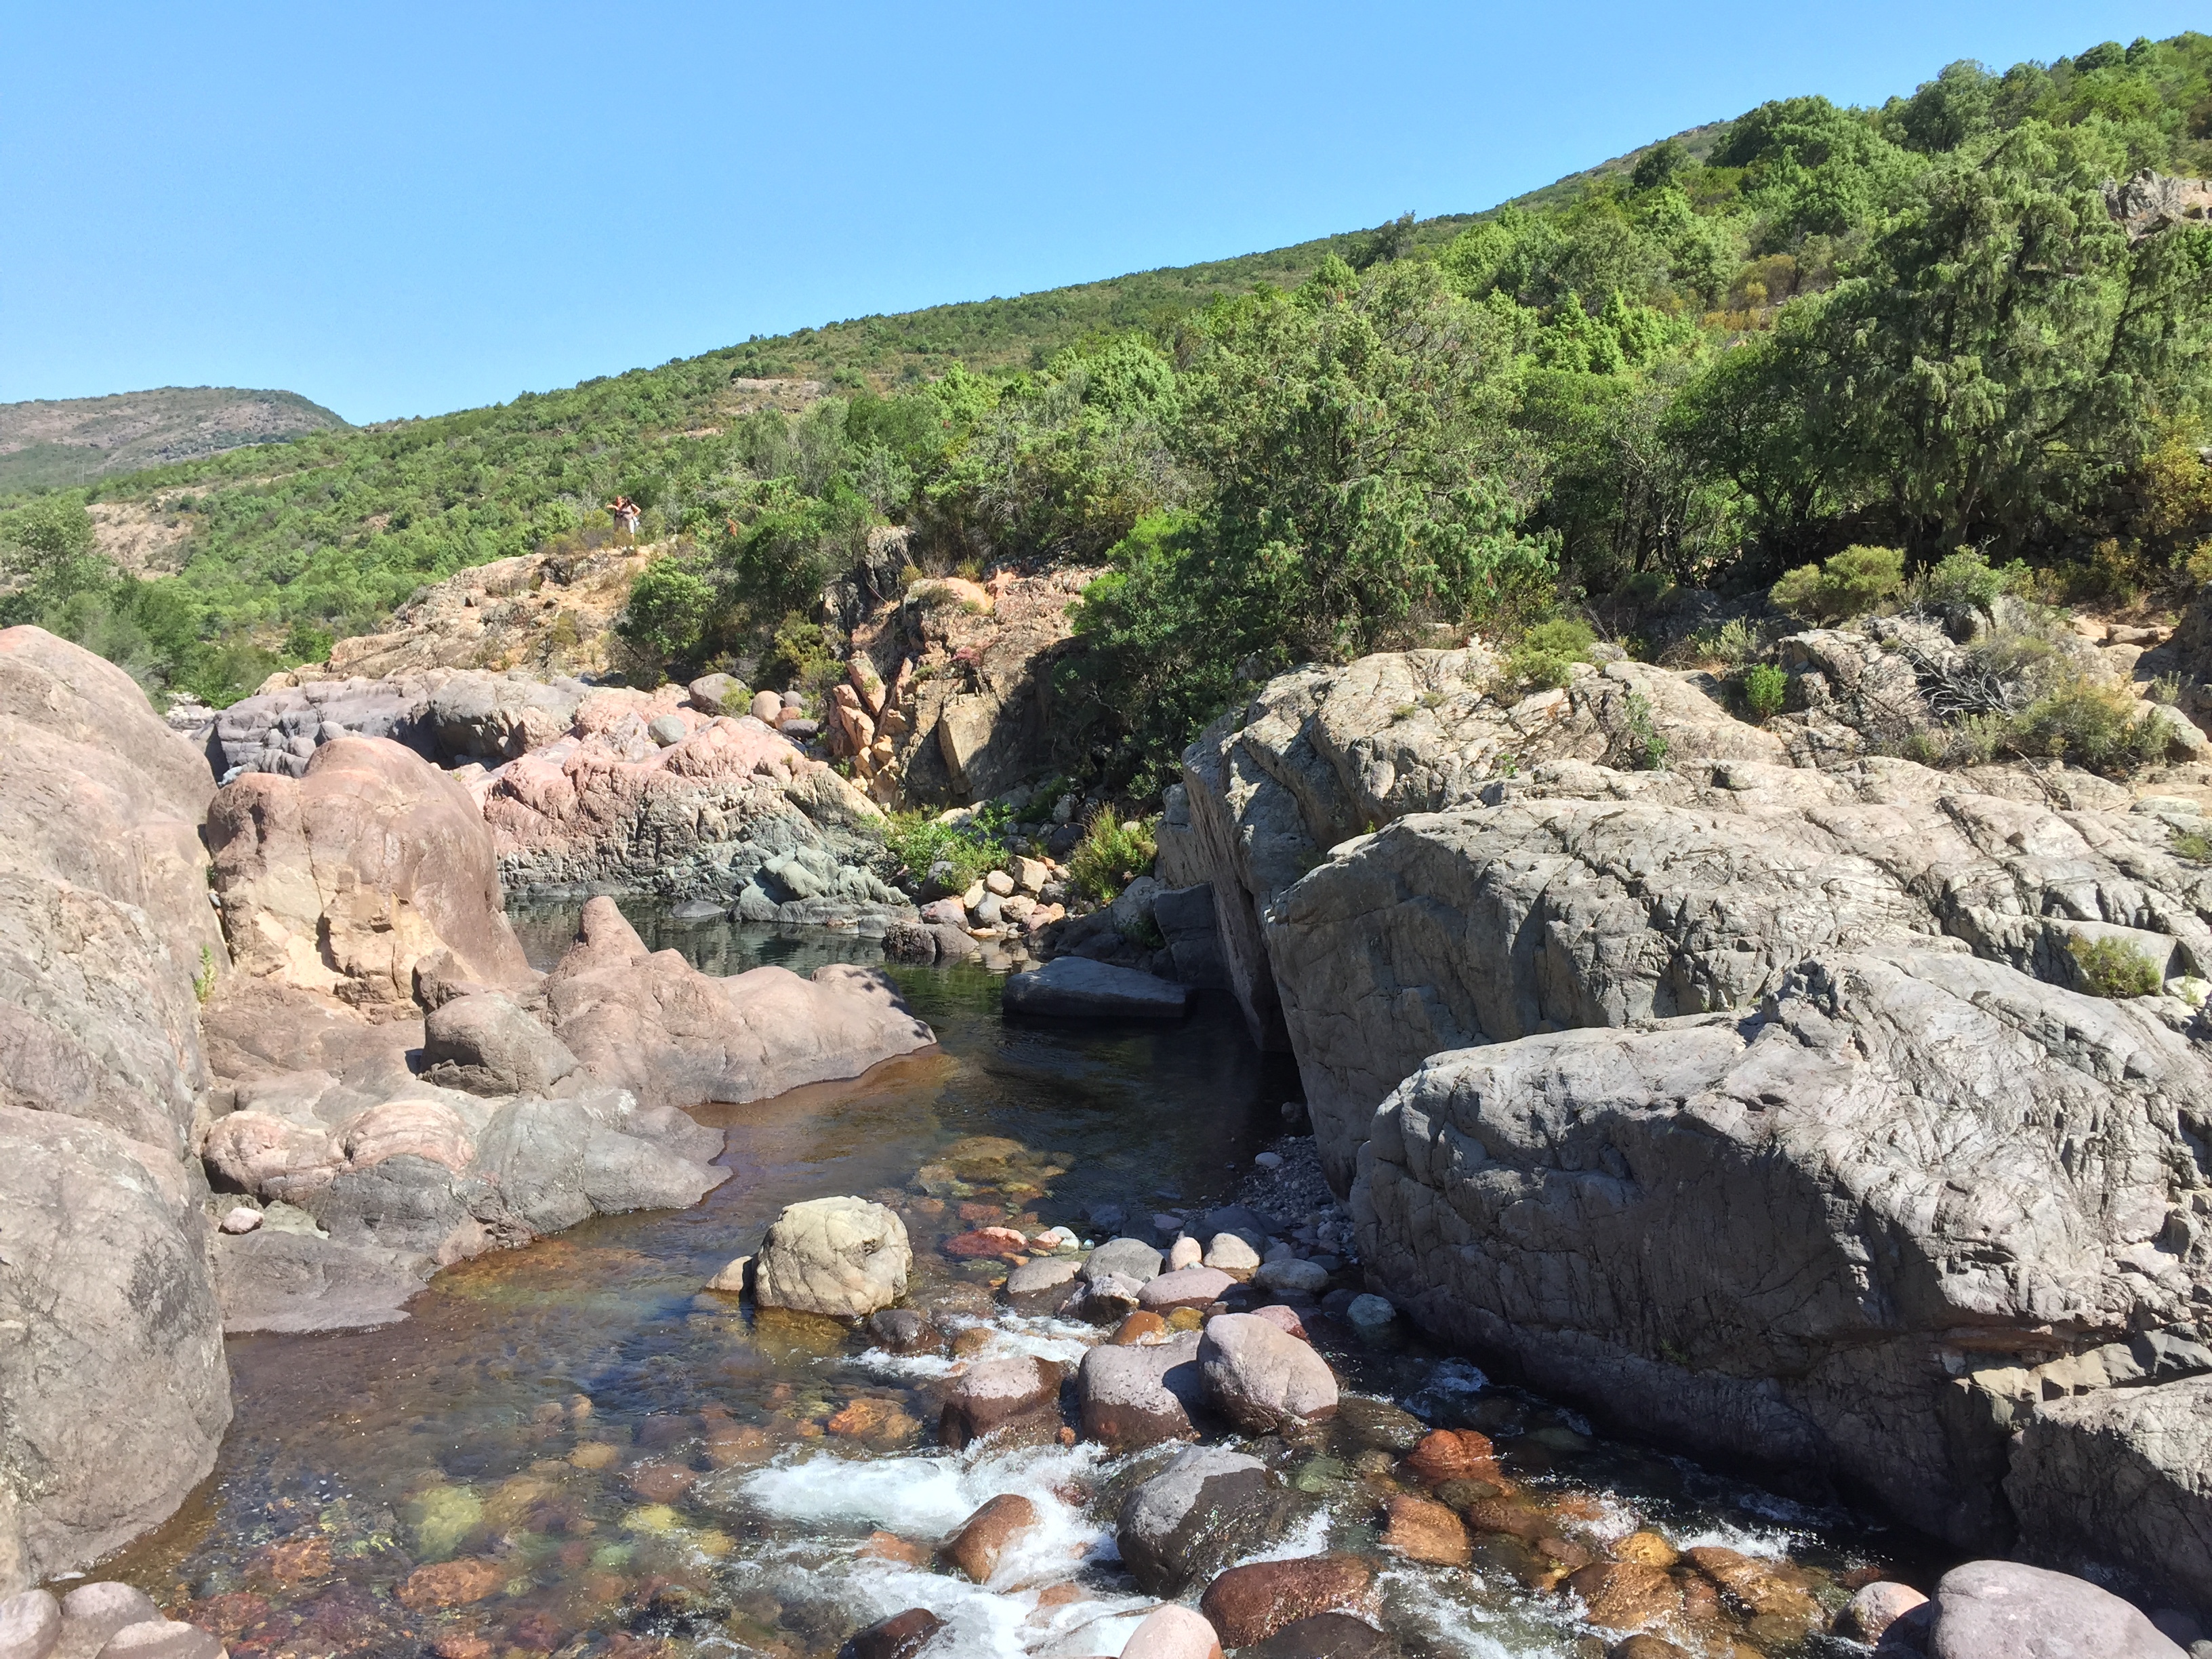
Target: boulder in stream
pixel 846 1257
pixel 1261 1377
pixel 1207 1507
pixel 1142 1394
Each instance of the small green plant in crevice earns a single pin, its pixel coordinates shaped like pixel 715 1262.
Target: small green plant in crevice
pixel 1764 686
pixel 2193 845
pixel 1641 744
pixel 2115 968
pixel 2165 689
pixel 204 982
pixel 1111 854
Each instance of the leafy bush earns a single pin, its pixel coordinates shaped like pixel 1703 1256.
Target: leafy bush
pixel 2194 845
pixel 1764 686
pixel 668 611
pixel 1850 583
pixel 2091 726
pixel 1964 580
pixel 1640 742
pixel 1111 854
pixel 1545 654
pixel 920 843
pixel 2113 968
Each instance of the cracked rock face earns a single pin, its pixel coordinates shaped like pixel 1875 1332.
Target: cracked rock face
pixel 113 1389
pixel 1591 897
pixel 1822 1233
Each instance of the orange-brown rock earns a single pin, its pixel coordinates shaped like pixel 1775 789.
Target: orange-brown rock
pixel 984 1537
pixel 461 1644
pixel 1759 1587
pixel 1647 1548
pixel 1624 1596
pixel 1568 1554
pixel 661 1483
pixel 1523 1521
pixel 1250 1603
pixel 878 1422
pixel 1452 1454
pixel 1647 1647
pixel 728 1444
pixel 1424 1530
pixel 899 1637
pixel 295 1560
pixel 1143 1326
pixel 452 1583
pixel 890 1547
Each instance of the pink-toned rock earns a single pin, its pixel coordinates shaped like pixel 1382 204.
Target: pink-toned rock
pixel 1173 1632
pixel 1187 1287
pixel 1876 1606
pixel 340 882
pixel 651 1023
pixel 1261 1377
pixel 983 1539
pixel 1284 1319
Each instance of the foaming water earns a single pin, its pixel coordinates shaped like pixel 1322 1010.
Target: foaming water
pixel 572 1449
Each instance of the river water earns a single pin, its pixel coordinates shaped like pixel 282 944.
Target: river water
pixel 607 1460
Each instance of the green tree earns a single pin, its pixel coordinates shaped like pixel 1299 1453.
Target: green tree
pixel 668 611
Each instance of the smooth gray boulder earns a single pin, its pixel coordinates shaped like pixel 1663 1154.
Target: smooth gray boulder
pixel 1262 1378
pixel 843 1256
pixel 2122 1477
pixel 1076 988
pixel 93 1613
pixel 1128 1258
pixel 2002 1610
pixel 1204 1510
pixel 1139 1394
pixel 1751 1233
pixel 1185 917
pixel 161 1639
pixel 1042 1277
pixel 489 1044
pixel 30 1625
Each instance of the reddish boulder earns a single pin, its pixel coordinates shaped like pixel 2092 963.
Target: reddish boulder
pixel 983 1539
pixel 1250 1603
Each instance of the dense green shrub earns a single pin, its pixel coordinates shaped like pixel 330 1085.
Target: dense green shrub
pixel 920 843
pixel 1850 583
pixel 1764 686
pixel 2113 968
pixel 2095 727
pixel 1112 853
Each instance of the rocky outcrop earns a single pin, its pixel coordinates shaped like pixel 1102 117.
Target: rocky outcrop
pixel 2120 1477
pixel 341 882
pixel 404 1092
pixel 651 1023
pixel 731 809
pixel 1321 755
pixel 591 789
pixel 1584 896
pixel 1828 1233
pixel 949 696
pixel 113 1390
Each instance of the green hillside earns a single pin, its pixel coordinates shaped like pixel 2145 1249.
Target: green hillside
pixel 1732 350
pixel 53 443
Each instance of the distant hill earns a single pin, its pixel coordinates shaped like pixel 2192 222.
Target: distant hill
pixel 53 442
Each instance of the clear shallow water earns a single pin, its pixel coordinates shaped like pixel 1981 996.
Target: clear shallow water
pixel 572 1449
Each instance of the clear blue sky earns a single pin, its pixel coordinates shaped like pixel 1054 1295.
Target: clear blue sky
pixel 398 209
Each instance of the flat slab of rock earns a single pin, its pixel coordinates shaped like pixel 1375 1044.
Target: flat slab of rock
pixel 1076 988
pixel 1187 1287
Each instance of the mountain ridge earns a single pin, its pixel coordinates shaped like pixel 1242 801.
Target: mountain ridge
pixel 56 442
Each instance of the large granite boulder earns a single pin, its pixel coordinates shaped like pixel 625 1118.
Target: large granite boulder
pixel 1076 988
pixel 649 1022
pixel 113 1390
pixel 1830 1233
pixel 845 1257
pixel 2003 1610
pixel 1322 755
pixel 341 881
pixel 1584 897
